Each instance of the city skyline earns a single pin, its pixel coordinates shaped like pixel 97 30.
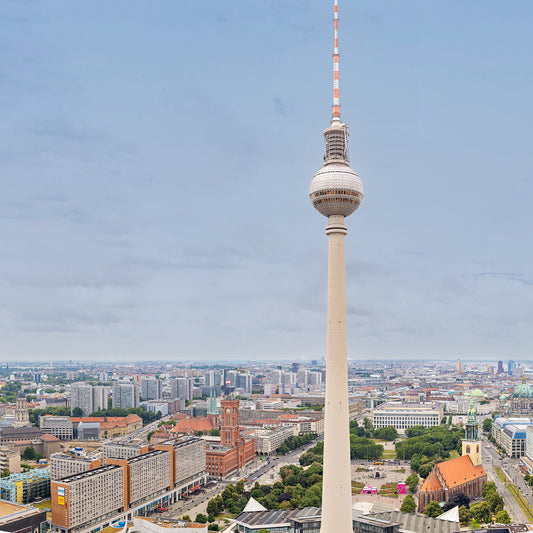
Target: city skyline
pixel 131 159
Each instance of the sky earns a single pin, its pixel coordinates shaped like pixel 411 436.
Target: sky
pixel 155 163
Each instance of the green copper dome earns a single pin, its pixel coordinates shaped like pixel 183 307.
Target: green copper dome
pixel 524 390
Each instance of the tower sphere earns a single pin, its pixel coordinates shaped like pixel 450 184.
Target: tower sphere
pixel 336 190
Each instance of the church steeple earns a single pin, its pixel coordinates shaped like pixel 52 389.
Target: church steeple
pixel 471 443
pixel 471 430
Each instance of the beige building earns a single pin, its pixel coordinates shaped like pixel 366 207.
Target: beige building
pixel 59 426
pixel 127 487
pixel 403 415
pixel 267 441
pixel 87 498
pixel 65 464
pixel 189 457
pixel 9 459
pixel 113 450
pixel 149 474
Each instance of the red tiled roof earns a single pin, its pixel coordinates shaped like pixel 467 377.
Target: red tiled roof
pixel 431 483
pixel 193 425
pixel 460 470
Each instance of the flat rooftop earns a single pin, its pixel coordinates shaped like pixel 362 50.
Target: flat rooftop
pixel 89 473
pixel 13 511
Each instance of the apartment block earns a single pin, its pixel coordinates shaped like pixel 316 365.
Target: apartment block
pixel 181 387
pixel 125 395
pixel 147 475
pixel 150 389
pixel 9 459
pixel 127 486
pixel 88 398
pixel 188 457
pixel 65 464
pixel 113 450
pixel 267 441
pixel 87 498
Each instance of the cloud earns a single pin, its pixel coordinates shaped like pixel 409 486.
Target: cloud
pixel 280 106
pixel 507 276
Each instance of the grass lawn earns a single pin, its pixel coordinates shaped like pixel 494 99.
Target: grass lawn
pixel 500 474
pixel 389 454
pixel 44 504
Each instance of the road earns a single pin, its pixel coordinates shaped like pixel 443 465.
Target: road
pixel 490 458
pixel 197 503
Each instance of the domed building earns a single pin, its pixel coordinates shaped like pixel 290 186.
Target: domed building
pixel 521 399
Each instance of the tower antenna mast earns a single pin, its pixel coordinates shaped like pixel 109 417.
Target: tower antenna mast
pixel 336 113
pixel 336 192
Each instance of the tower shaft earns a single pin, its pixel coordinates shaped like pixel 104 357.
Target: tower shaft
pixel 336 489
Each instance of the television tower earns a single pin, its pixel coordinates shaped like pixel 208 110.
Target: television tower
pixel 336 192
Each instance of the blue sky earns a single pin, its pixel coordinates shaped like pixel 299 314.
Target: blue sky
pixel 155 161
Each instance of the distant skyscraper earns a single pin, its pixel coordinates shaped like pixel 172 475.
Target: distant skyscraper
pixel 511 365
pixel 88 398
pixel 150 389
pixel 181 388
pixel 459 367
pixel 125 395
pixel 500 367
pixel 336 192
pixel 81 396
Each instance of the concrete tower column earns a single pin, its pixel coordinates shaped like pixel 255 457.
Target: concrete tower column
pixel 336 490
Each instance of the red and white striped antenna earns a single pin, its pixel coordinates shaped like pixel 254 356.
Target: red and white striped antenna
pixel 336 115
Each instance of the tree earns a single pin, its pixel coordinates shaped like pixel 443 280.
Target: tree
pixel 487 425
pixel 408 505
pixel 433 509
pixel 481 512
pixel 489 487
pixel 425 469
pixel 388 433
pixel 186 517
pixel 28 454
pixel 503 517
pixel 464 515
pixel 458 499
pixel 201 518
pixel 77 412
pixel 412 481
pixel 239 487
pixel 369 428
pixel 214 432
pixel 495 502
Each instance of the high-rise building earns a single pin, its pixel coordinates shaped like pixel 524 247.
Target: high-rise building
pixel 125 395
pixel 336 192
pixel 500 368
pixel 459 367
pixel 511 365
pixel 88 398
pixel 81 397
pixel 181 388
pixel 150 389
